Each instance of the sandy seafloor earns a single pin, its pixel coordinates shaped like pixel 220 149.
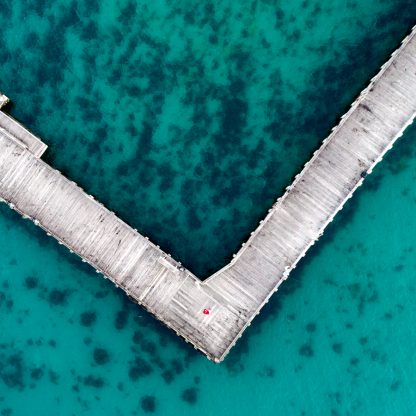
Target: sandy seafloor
pixel 188 118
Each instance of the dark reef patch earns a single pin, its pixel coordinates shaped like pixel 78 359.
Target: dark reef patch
pixel 58 297
pixel 177 366
pixel 94 381
pixel 354 361
pixel 139 368
pixel 6 301
pixel 148 404
pixel 37 373
pixel 267 371
pixel 31 282
pixel 190 395
pixel 306 350
pixel 395 385
pixel 310 327
pixel 101 356
pixel 234 362
pixel 121 319
pixel 88 318
pixel 337 347
pixel 137 337
pixel 53 377
pixel 168 376
pixel 12 370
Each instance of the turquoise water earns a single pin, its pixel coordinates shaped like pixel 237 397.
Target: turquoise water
pixel 188 119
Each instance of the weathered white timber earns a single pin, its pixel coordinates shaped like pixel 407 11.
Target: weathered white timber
pixel 235 294
pixel 146 273
pixel 9 125
pixel 3 100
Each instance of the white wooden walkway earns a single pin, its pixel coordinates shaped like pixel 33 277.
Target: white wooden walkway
pixel 213 314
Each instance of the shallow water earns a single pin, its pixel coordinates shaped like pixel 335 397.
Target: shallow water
pixel 188 119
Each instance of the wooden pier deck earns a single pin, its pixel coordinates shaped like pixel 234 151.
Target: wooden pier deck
pixel 212 314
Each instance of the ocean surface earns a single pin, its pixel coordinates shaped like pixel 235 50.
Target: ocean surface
pixel 188 119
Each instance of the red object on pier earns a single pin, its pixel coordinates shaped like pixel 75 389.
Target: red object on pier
pixel 205 311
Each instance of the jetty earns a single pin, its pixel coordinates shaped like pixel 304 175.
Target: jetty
pixel 212 314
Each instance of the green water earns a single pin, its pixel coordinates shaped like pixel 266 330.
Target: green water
pixel 188 119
